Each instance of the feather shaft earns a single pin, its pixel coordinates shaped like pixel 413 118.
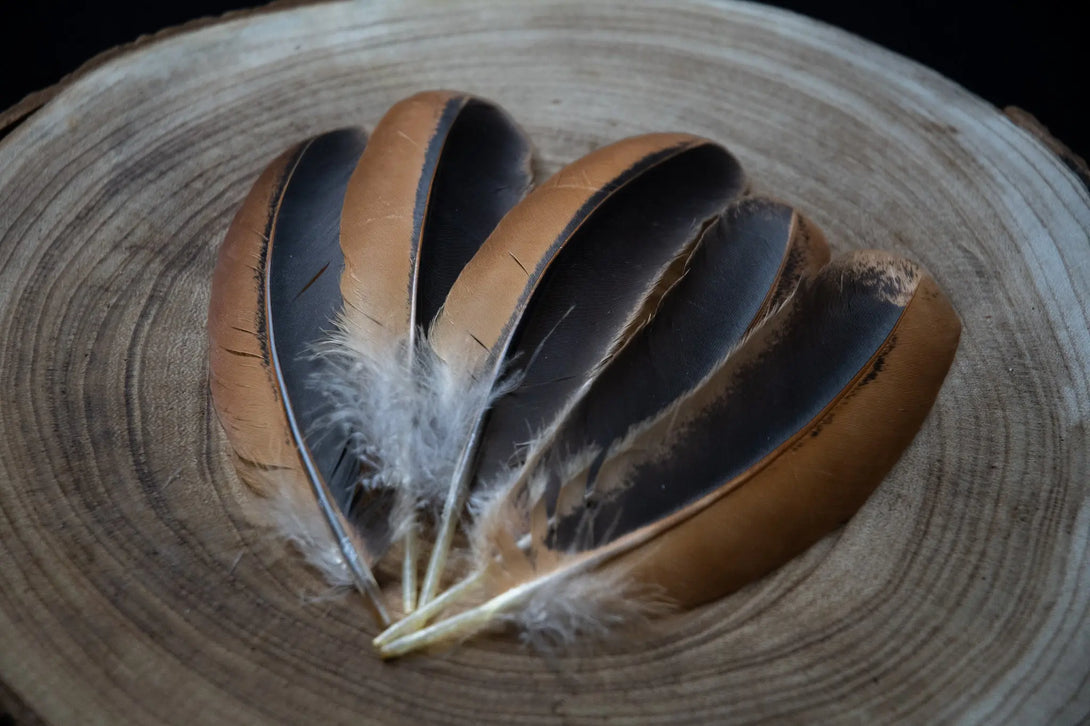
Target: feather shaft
pixel 461 626
pixel 419 617
pixel 477 619
pixel 454 502
pixel 409 562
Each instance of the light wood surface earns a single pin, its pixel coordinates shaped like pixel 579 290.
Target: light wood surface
pixel 134 590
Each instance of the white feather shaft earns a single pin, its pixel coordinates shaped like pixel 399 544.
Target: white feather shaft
pixel 475 620
pixel 420 617
pixel 452 506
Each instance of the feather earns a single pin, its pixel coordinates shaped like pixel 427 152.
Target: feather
pixel 274 294
pixel 439 171
pixel 562 281
pixel 746 265
pixel 780 444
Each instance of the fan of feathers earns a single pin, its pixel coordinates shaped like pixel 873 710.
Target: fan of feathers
pixel 552 410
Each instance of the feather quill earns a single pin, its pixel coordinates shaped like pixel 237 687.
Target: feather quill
pixel 781 443
pixel 560 283
pixel 274 295
pixel 439 171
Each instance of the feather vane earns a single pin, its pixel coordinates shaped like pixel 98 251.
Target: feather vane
pixel 273 295
pixel 568 272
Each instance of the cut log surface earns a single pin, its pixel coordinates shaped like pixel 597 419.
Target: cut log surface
pixel 133 588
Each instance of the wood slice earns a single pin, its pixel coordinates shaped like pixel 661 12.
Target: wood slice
pixel 134 590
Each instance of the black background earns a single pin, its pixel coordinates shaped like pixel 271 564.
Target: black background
pixel 1032 55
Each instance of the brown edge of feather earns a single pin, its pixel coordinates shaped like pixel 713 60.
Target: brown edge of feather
pixel 768 514
pixel 467 330
pixel 376 222
pixel 243 391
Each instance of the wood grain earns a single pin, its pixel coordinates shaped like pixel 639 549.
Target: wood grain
pixel 133 589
